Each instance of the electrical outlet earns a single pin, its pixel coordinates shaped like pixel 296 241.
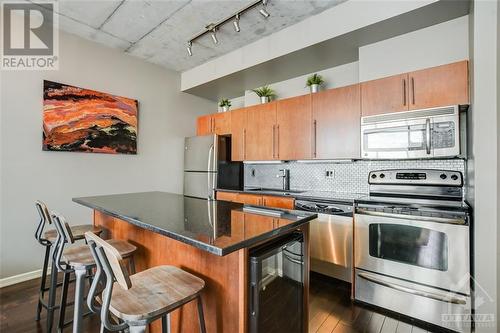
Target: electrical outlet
pixel 330 174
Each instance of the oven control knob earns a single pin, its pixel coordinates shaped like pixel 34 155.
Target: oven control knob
pixel 443 176
pixel 374 176
pixel 382 175
pixel 454 177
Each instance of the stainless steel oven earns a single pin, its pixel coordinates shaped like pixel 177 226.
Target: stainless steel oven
pixel 411 246
pixel 424 133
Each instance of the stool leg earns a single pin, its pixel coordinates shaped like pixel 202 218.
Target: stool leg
pixel 165 323
pixel 64 297
pixel 52 296
pixel 132 265
pixel 79 290
pixel 137 329
pixel 42 282
pixel 200 316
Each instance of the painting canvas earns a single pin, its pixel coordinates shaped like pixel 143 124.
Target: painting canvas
pixel 83 120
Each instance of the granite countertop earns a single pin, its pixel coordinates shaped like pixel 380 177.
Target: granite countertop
pixel 342 197
pixel 218 227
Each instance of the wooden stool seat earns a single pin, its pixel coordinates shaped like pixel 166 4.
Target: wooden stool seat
pixel 78 256
pixel 154 292
pixel 78 232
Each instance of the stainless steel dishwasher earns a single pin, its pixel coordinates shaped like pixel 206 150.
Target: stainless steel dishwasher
pixel 330 237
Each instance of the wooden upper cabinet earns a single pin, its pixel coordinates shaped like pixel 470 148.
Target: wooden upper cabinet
pixel 259 136
pixel 293 129
pixel 217 123
pixel 204 125
pixel 222 123
pixel 238 129
pixel 439 86
pixel 336 123
pixel 385 95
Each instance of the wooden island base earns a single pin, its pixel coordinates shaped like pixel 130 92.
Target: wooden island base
pixel 224 296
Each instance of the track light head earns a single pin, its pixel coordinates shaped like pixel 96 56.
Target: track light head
pixel 214 37
pixel 264 12
pixel 236 23
pixel 189 48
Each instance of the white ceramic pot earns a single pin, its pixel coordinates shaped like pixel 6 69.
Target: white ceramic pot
pixel 264 99
pixel 225 108
pixel 314 88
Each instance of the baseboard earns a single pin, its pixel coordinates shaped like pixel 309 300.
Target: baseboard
pixel 8 281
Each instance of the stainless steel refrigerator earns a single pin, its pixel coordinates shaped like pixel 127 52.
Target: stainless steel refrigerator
pixel 208 166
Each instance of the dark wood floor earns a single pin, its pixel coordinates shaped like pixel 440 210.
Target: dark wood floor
pixel 331 310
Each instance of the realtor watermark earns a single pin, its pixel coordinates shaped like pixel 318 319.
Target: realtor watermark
pixel 30 37
pixel 458 313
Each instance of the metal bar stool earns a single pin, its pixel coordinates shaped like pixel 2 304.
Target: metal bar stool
pixel 46 239
pixel 139 299
pixel 79 260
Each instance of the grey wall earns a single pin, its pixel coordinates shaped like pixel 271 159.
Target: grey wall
pixel 27 173
pixel 436 45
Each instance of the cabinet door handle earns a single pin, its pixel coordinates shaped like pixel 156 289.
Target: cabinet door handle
pixel 264 201
pixel 278 141
pixel 274 139
pixel 244 143
pixel 404 92
pixel 314 137
pixel 413 90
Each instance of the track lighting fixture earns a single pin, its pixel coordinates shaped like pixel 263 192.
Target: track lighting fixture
pixel 235 18
pixel 236 23
pixel 214 37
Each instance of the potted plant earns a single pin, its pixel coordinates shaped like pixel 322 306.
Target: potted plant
pixel 225 104
pixel 265 93
pixel 314 82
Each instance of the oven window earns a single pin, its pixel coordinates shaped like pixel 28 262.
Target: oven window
pixel 410 245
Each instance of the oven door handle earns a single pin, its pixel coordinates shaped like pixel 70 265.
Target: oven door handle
pixel 459 221
pixel 431 295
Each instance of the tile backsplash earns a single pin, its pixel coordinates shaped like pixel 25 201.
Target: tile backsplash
pixel 351 177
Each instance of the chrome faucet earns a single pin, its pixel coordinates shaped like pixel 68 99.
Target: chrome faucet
pixel 285 174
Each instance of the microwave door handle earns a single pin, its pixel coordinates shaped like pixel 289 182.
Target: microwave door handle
pixel 435 296
pixel 428 136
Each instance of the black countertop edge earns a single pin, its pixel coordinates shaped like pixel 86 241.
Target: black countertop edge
pixel 199 244
pixel 300 196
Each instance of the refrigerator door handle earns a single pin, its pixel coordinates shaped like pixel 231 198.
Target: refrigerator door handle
pixel 209 169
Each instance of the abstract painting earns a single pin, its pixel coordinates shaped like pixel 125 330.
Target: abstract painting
pixel 83 120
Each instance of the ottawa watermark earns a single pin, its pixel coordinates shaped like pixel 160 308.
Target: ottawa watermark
pixel 30 36
pixel 458 315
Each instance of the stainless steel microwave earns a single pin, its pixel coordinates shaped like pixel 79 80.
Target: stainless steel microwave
pixel 427 133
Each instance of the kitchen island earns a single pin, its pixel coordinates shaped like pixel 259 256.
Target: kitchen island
pixel 210 239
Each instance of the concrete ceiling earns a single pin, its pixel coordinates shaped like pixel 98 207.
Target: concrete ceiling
pixel 158 31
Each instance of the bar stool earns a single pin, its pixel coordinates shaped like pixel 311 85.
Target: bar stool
pixel 46 239
pixel 139 299
pixel 79 260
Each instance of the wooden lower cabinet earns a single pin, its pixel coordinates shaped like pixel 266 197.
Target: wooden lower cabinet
pixel 278 202
pixel 258 200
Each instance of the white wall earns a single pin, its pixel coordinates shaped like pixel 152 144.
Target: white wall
pixel 433 46
pixel 484 160
pixel 334 77
pixel 436 45
pixel 166 116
